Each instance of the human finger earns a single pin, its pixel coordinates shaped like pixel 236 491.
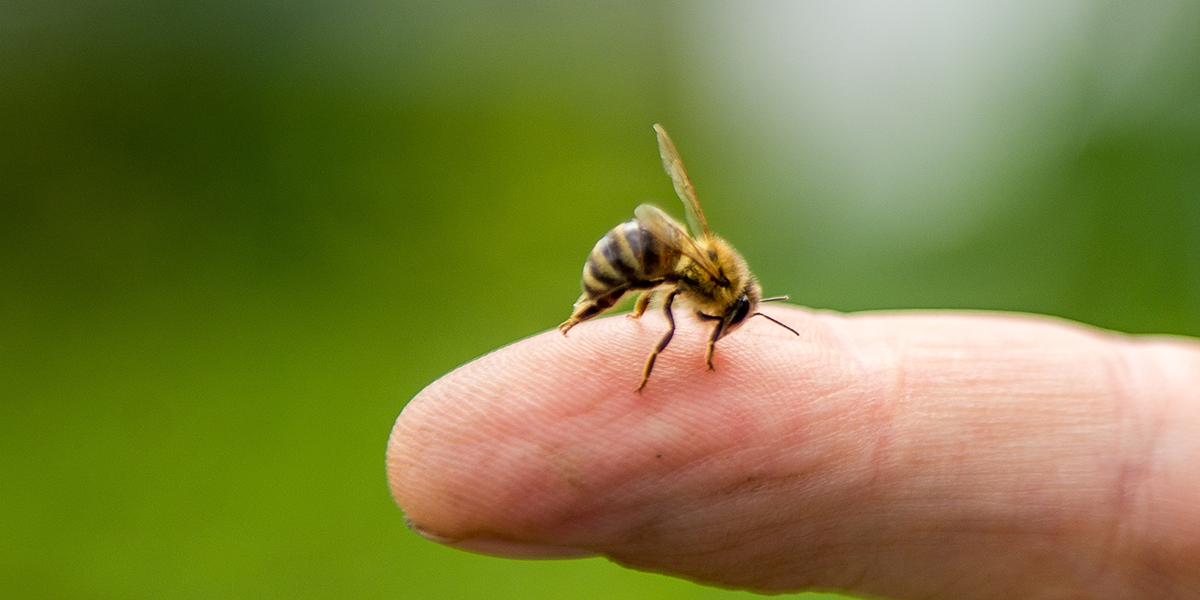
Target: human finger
pixel 905 455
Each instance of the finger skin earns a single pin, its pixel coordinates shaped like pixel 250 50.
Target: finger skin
pixel 906 455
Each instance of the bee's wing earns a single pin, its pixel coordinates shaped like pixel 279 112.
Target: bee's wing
pixel 671 233
pixel 673 165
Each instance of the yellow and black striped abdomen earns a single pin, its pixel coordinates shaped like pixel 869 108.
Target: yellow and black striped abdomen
pixel 627 258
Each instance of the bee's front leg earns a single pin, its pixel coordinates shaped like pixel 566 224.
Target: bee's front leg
pixel 712 341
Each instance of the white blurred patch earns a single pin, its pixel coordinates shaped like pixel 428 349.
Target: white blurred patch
pixel 903 110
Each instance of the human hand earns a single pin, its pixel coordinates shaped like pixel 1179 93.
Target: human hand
pixel 905 455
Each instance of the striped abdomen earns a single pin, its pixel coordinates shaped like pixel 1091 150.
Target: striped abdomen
pixel 627 258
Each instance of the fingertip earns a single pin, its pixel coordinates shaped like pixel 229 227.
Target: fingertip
pixel 538 433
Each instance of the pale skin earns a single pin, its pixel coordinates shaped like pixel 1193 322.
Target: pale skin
pixel 901 455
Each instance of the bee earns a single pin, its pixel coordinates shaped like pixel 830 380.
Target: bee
pixel 653 253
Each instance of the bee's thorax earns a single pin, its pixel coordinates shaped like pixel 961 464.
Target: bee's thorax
pixel 717 296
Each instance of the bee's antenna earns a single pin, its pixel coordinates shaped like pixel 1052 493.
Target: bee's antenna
pixel 775 322
pixel 774 299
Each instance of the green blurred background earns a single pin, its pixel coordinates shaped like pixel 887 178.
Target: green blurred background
pixel 237 236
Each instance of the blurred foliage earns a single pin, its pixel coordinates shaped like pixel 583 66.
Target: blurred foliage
pixel 236 237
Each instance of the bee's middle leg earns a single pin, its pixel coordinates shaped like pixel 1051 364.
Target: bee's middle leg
pixel 662 344
pixel 643 302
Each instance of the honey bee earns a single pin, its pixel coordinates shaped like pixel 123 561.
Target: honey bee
pixel 655 254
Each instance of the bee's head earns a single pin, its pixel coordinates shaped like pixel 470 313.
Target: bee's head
pixel 744 306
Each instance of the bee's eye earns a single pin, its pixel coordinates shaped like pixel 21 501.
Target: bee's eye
pixel 739 310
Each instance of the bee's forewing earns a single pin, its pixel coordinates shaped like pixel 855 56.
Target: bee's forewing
pixel 673 165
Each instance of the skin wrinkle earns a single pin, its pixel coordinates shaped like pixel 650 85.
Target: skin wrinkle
pixel 1140 471
pixel 952 382
pixel 1130 460
pixel 677 561
pixel 575 454
pixel 567 460
pixel 673 520
pixel 732 531
pixel 885 383
pixel 773 527
pixel 630 489
pixel 655 518
pixel 888 379
pixel 819 566
pixel 470 502
pixel 643 529
pixel 671 440
pixel 484 460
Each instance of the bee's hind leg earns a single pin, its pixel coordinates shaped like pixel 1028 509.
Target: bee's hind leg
pixel 662 344
pixel 587 307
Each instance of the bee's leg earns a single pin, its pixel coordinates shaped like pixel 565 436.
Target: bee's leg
pixel 662 344
pixel 587 307
pixel 712 339
pixel 712 343
pixel 643 302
